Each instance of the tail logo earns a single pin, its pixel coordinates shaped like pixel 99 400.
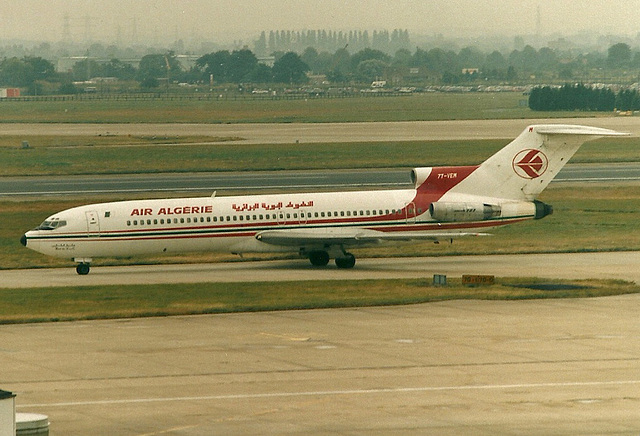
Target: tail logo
pixel 530 164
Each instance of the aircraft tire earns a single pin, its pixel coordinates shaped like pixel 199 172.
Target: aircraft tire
pixel 348 261
pixel 319 258
pixel 83 269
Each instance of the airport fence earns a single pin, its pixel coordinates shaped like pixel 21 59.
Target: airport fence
pixel 169 96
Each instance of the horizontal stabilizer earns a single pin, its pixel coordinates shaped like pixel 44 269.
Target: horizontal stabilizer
pixel 568 129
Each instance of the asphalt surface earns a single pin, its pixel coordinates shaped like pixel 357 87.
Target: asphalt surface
pixel 205 182
pixel 618 265
pixel 540 367
pixel 331 132
pixel 228 183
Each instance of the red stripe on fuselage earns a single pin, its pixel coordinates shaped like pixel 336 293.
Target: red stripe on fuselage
pixel 399 228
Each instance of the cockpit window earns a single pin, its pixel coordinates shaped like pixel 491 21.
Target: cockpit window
pixel 51 224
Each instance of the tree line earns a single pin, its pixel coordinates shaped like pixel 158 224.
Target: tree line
pixel 583 98
pixel 330 41
pixel 341 67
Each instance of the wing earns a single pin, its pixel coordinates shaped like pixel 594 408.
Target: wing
pixel 347 237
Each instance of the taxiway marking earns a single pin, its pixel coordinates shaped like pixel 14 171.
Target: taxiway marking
pixel 338 393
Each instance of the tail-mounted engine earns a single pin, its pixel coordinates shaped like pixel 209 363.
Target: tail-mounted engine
pixel 419 175
pixel 452 212
pixel 542 209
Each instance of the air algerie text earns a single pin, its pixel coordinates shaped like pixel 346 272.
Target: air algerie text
pixel 178 210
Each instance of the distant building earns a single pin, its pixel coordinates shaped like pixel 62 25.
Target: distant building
pixel 267 60
pixel 9 92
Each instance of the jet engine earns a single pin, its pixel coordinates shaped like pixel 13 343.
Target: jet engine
pixel 419 175
pixel 452 212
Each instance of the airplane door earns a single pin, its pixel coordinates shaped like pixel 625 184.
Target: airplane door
pixel 411 213
pixel 303 218
pixel 93 223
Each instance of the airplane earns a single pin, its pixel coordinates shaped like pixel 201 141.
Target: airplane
pixel 444 203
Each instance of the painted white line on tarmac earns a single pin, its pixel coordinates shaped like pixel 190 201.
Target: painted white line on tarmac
pixel 337 393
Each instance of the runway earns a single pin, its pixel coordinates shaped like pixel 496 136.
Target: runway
pixel 552 367
pixel 233 182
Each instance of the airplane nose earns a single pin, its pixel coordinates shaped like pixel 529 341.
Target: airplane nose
pixel 23 240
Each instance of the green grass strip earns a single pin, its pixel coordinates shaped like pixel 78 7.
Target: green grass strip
pixel 110 302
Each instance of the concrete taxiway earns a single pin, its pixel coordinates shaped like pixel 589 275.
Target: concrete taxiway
pixel 326 132
pixel 617 265
pixel 552 367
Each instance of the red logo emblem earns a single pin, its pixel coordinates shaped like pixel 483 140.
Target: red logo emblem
pixel 530 164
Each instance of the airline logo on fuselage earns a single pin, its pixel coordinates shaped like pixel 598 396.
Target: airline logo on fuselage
pixel 179 210
pixel 245 207
pixel 530 164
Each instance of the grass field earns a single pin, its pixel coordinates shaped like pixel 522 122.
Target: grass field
pixel 109 155
pixel 75 303
pixel 427 106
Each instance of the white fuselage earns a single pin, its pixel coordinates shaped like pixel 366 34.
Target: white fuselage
pixel 230 224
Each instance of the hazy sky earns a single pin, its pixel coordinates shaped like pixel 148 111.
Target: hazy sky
pixel 163 20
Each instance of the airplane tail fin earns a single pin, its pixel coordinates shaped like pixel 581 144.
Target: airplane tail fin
pixel 523 168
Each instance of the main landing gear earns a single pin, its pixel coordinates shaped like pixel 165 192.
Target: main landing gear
pixel 84 266
pixel 321 258
pixel 83 269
